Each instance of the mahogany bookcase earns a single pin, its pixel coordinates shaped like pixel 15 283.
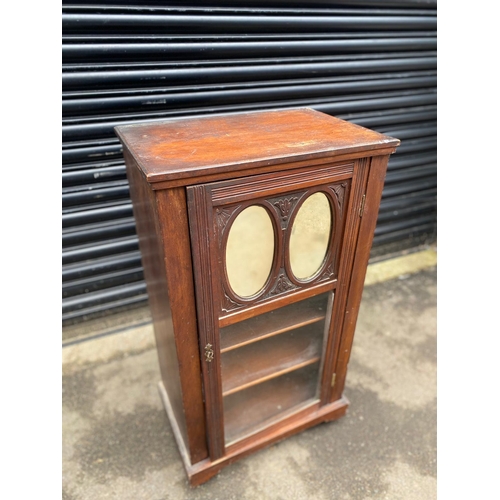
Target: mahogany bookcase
pixel 255 231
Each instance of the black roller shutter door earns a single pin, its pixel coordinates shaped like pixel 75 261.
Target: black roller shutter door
pixel 372 63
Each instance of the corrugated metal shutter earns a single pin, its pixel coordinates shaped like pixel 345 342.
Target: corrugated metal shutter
pixel 373 63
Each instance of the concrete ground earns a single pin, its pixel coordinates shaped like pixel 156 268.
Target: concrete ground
pixel 118 444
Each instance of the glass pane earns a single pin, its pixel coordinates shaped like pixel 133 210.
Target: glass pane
pixel 250 251
pixel 272 323
pixel 310 236
pixel 255 408
pixel 270 357
pixel 270 365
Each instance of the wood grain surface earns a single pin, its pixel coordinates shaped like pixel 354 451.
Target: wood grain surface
pixel 179 148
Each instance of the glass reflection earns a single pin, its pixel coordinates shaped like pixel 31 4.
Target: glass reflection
pixel 310 236
pixel 250 251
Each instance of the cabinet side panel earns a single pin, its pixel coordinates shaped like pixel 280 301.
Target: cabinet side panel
pixel 155 257
pixel 376 177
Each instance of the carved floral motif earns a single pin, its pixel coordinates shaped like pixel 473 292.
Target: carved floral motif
pixel 285 205
pixel 327 273
pixel 283 284
pixel 339 190
pixel 229 304
pixel 222 215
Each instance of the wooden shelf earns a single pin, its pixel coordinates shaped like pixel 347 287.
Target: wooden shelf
pixel 273 323
pixel 257 407
pixel 271 357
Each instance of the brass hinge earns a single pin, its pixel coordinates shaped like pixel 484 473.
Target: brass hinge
pixel 362 207
pixel 333 379
pixel 209 353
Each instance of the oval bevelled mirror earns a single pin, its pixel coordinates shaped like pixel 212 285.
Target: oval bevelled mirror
pixel 250 251
pixel 310 235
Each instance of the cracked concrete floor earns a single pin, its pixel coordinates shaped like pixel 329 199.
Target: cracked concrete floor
pixel 117 441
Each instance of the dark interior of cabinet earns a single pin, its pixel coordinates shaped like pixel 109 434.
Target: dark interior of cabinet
pixel 259 406
pixel 270 364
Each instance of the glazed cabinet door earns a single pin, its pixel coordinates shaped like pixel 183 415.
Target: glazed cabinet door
pixel 272 256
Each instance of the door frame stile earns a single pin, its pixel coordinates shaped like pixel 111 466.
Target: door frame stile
pixel 358 187
pixel 201 225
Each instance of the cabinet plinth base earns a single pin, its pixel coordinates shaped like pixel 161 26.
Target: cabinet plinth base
pixel 202 471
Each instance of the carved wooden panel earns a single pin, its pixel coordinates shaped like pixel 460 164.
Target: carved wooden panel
pixel 282 208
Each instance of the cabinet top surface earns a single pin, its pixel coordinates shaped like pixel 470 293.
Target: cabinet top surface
pixel 181 148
